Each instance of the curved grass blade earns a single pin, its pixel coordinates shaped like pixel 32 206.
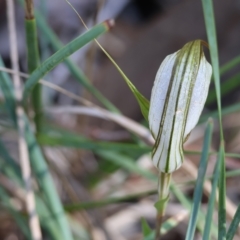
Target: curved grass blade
pixel 234 225
pixel 53 40
pixel 142 101
pixel 200 180
pixel 63 53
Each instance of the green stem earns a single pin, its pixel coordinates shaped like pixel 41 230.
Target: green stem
pixel 33 63
pixel 164 180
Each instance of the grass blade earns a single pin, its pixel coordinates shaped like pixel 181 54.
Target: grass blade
pixel 231 64
pixel 211 202
pixel 225 111
pixel 187 204
pixel 234 225
pixel 146 230
pixel 44 178
pixel 200 180
pixel 76 141
pixel 53 40
pixel 212 41
pixel 10 168
pixel 142 101
pixel 227 87
pixel 222 196
pixel 63 53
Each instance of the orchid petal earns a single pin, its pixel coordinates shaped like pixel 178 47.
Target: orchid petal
pixel 178 96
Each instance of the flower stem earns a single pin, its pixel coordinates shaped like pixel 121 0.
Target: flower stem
pixel 164 180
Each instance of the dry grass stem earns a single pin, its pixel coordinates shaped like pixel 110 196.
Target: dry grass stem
pixel 23 149
pixel 29 9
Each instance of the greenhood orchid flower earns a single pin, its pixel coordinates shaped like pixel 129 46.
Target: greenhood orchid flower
pixel 177 100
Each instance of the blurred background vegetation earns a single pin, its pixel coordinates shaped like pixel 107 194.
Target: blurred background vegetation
pixel 101 166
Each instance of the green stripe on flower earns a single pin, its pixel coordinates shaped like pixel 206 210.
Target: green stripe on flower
pixel 178 96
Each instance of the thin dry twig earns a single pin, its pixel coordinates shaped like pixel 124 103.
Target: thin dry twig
pixel 93 110
pixel 23 149
pixel 123 121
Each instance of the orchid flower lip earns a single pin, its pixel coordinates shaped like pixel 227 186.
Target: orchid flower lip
pixel 178 96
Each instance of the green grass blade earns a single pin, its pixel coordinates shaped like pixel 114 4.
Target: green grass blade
pixel 227 87
pixel 146 230
pixel 167 226
pixel 142 101
pixel 45 180
pixel 33 61
pixel 225 111
pixel 200 180
pixel 234 225
pixel 187 204
pixel 62 54
pixel 231 64
pixel 77 141
pixel 8 92
pixel 53 40
pixel 212 41
pixel 211 202
pixel 222 196
pixel 48 220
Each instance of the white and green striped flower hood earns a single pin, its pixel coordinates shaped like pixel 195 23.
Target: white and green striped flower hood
pixel 178 96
